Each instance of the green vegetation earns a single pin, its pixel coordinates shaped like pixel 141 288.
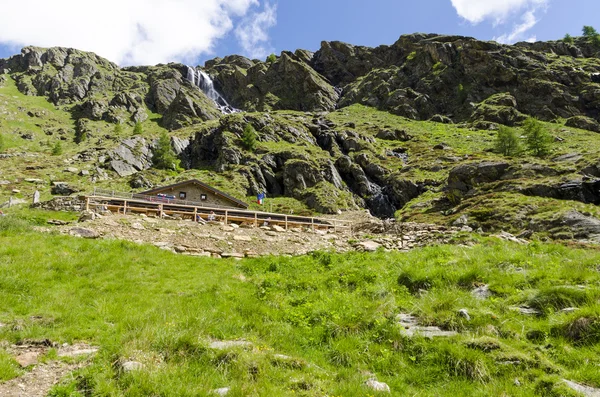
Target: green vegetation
pixel 318 323
pixel 118 129
pixel 507 141
pixel 537 138
pixel 592 34
pixel 271 58
pixel 411 56
pixel 249 137
pixel 138 128
pixel 163 156
pixel 57 149
pixel 2 144
pixel 568 39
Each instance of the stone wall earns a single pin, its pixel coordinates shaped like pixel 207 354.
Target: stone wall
pixel 63 203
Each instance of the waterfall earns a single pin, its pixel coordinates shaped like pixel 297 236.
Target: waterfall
pixel 203 81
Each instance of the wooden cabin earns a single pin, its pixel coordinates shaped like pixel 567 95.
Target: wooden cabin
pixel 199 192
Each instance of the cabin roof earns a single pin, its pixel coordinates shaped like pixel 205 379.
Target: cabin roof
pixel 217 192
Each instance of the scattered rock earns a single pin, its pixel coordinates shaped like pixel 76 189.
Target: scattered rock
pixel 137 226
pixel 85 233
pixel 482 292
pixel 87 216
pixel 587 391
pixel 509 237
pixel 77 350
pixel 242 238
pixel 369 245
pixel 27 359
pixel 33 180
pixel 228 344
pixel 465 314
pixel 526 310
pixel 411 328
pixel 62 189
pixel 584 123
pixel 277 228
pixel 232 255
pixel 130 366
pixel 223 391
pixel 377 386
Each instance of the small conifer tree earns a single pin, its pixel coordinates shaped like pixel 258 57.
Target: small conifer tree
pixel 507 142
pixel 249 137
pixel 163 155
pixel 537 138
pixel 57 149
pixel 568 39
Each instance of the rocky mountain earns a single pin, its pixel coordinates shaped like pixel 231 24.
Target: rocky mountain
pixel 406 129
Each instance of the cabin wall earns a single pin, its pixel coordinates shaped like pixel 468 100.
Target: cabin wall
pixel 194 193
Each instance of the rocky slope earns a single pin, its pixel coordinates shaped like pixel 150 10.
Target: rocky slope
pixel 342 128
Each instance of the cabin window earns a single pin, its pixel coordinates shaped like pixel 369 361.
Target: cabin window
pixel 182 195
pixel 203 197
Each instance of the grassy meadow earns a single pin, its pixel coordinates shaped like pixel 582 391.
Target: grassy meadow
pixel 320 325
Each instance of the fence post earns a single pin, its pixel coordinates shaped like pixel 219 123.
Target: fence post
pixel 195 214
pixel 87 203
pixel 312 221
pixel 286 223
pixel 160 211
pixel 226 217
pixel 255 219
pixel 124 207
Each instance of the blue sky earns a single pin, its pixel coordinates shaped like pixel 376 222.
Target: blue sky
pixel 193 31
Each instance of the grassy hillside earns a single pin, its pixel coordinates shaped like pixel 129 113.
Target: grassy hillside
pixel 319 325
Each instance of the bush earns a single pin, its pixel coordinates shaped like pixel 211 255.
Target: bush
pixel 118 128
pixel 163 156
pixel 138 129
pixel 249 137
pixel 271 58
pixel 568 39
pixel 538 139
pixel 507 142
pixel 57 149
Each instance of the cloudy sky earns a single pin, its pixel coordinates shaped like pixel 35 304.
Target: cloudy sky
pixel 153 31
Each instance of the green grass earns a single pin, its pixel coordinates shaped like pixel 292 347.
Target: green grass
pixel 333 314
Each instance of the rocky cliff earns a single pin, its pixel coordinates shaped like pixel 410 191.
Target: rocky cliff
pixel 405 129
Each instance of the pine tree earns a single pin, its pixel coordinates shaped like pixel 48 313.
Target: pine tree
pixel 271 58
pixel 249 137
pixel 568 39
pixel 507 142
pixel 57 149
pixel 163 155
pixel 537 138
pixel 589 31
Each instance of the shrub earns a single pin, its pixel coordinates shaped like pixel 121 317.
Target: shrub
pixel 118 128
pixel 507 142
pixel 271 58
pixel 538 139
pixel 568 39
pixel 57 149
pixel 163 155
pixel 249 137
pixel 138 129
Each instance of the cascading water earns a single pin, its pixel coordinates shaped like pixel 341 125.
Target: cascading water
pixel 203 81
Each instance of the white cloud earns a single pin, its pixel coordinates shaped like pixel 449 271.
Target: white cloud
pixel 124 31
pixel 528 21
pixel 253 34
pixel 501 12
